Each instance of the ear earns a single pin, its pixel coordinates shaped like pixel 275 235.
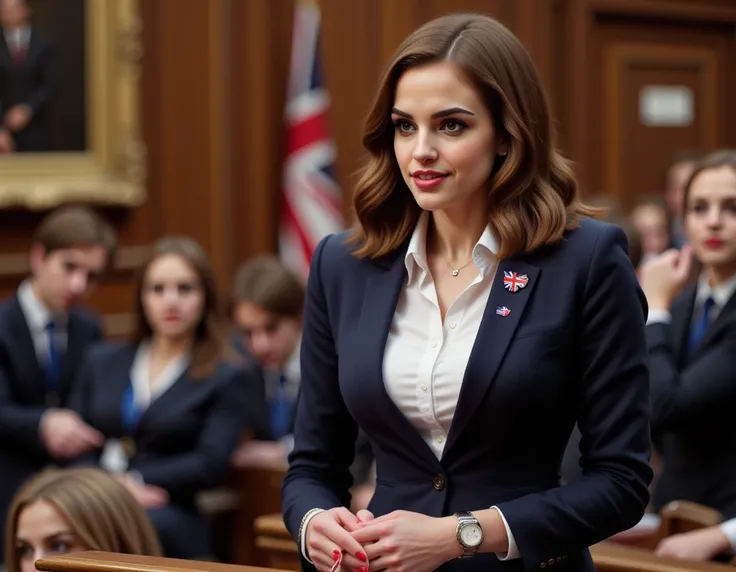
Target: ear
pixel 36 257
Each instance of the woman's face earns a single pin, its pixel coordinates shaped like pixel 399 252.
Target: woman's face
pixel 43 531
pixel 173 297
pixel 710 218
pixel 444 140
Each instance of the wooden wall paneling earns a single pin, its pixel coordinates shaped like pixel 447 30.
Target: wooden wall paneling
pixel 631 149
pixel 260 40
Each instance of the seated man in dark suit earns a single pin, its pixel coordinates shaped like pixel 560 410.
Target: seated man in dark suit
pixel 42 340
pixel 267 308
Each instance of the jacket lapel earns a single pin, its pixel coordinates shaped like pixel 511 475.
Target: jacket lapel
pixel 382 290
pixel 682 312
pixel 77 340
pixel 26 348
pixel 494 336
pixel 723 320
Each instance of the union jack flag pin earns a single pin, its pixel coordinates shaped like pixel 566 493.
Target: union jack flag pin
pixel 502 311
pixel 514 282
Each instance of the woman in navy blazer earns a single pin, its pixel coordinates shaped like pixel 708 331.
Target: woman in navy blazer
pixel 171 404
pixel 467 321
pixel 691 335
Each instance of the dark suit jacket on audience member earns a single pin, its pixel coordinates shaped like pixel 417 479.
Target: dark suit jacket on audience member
pixel 31 82
pixel 24 396
pixel 184 439
pixel 572 348
pixel 258 423
pixel 694 403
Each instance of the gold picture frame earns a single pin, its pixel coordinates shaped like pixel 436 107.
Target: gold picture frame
pixel 112 171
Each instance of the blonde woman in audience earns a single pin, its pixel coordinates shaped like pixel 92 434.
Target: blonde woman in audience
pixel 172 404
pixel 691 337
pixel 472 315
pixel 61 511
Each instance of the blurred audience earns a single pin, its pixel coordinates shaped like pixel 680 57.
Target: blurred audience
pixel 173 402
pixel 43 338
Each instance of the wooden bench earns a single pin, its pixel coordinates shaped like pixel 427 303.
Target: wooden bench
pixel 94 561
pixel 612 557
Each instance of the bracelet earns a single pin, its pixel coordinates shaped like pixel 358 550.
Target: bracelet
pixel 306 519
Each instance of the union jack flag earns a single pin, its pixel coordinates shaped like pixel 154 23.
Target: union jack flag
pixel 311 201
pixel 503 311
pixel 513 281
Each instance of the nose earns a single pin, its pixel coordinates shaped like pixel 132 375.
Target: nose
pixel 424 149
pixel 260 342
pixel 79 283
pixel 714 217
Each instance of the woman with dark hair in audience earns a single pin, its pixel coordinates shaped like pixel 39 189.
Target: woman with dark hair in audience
pixel 173 403
pixel 466 322
pixel 691 336
pixel 61 511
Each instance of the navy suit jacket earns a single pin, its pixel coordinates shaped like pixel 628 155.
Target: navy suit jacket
pixel 572 349
pixel 693 397
pixel 185 438
pixel 24 396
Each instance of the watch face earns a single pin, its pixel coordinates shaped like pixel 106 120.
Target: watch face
pixel 471 535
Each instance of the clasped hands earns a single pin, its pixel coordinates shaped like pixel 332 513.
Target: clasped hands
pixel 395 542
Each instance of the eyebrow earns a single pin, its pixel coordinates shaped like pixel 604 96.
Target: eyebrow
pixel 437 115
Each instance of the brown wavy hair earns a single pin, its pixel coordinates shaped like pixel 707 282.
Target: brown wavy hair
pixel 532 192
pixel 211 343
pixel 100 511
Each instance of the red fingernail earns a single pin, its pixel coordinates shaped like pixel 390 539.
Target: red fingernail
pixel 362 557
pixel 362 569
pixel 360 521
pixel 336 555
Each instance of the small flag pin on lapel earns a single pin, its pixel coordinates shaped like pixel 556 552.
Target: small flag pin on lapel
pixel 514 282
pixel 503 311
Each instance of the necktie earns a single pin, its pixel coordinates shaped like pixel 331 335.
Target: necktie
pixel 53 360
pixel 18 49
pixel 699 328
pixel 280 412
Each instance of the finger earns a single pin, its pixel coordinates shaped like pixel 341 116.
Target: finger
pixel 328 537
pixel 685 262
pixel 346 518
pixel 365 515
pixel 370 532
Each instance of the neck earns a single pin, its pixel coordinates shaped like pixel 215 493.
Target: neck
pixel 718 275
pixel 166 348
pixel 453 236
pixel 39 296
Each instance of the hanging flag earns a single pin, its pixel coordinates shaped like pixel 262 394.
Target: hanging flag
pixel 312 202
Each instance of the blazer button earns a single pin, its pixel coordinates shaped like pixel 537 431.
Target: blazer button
pixel 438 482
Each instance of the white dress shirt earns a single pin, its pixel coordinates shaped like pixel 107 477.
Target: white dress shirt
pixel 425 359
pixel 729 529
pixel 38 318
pixel 145 392
pixel 18 38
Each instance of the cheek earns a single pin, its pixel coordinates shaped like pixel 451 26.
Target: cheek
pixel 471 158
pixel 193 307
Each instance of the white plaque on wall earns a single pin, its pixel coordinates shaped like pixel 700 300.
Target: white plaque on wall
pixel 666 106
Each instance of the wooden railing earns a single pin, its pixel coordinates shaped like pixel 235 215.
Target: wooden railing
pixel 109 562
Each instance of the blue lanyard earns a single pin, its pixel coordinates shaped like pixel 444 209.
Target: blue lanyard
pixel 131 413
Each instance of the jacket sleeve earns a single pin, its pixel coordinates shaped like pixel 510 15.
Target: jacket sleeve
pixel 613 417
pixel 19 424
pixel 325 432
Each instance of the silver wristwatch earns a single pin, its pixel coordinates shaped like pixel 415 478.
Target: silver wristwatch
pixel 469 534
